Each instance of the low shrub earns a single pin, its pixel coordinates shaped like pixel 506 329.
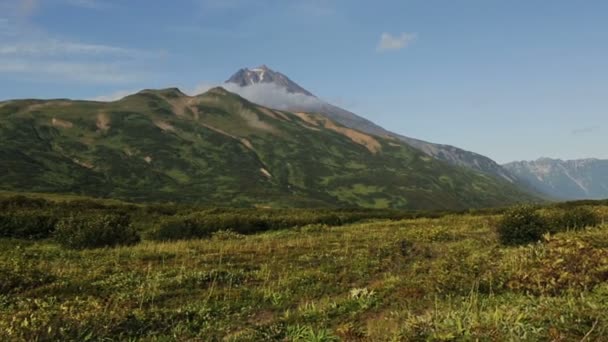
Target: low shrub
pixel 561 265
pixel 177 228
pixel 20 275
pixel 575 219
pixel 95 231
pixel 227 235
pixel 22 202
pixel 521 225
pixel 27 225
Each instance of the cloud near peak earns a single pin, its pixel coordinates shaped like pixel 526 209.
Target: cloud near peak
pixel 389 42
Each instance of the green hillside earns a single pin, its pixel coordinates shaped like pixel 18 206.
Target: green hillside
pixel 217 148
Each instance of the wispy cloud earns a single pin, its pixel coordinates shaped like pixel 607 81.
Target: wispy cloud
pixel 58 48
pixel 200 88
pixel 315 8
pixel 89 4
pixel 389 42
pixel 70 71
pixel 224 4
pixel 274 96
pixel 27 7
pixel 74 62
pixel 115 96
pixel 318 8
pixel 30 53
pixel 208 31
pixel 584 130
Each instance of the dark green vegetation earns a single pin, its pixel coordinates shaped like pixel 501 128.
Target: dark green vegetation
pixel 95 231
pixel 219 149
pixel 89 223
pixel 333 275
pixel 522 225
pixel 526 224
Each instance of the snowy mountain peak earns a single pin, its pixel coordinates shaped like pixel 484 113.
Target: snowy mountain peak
pixel 263 74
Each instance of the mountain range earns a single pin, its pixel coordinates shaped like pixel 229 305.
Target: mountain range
pixel 259 140
pixel 546 178
pixel 570 179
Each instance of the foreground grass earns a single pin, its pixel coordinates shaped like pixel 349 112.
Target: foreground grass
pixel 423 279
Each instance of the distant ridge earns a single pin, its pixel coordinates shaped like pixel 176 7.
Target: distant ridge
pixel 565 179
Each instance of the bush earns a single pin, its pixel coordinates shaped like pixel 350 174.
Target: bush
pixel 521 225
pixel 96 231
pixel 27 225
pixel 22 202
pixel 177 228
pixel 576 218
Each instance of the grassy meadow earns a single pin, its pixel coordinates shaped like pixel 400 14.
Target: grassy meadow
pixel 440 278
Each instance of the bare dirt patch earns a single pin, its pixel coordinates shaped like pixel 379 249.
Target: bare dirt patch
pixel 283 115
pixel 165 126
pixel 61 123
pixel 308 118
pixel 243 141
pixel 48 104
pixel 265 172
pixel 247 143
pixel 103 121
pixel 84 164
pixel 367 141
pixel 274 114
pixel 184 106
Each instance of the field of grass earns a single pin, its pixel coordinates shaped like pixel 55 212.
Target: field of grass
pixel 439 279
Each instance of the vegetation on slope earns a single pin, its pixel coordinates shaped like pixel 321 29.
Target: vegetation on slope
pixel 439 279
pixel 219 149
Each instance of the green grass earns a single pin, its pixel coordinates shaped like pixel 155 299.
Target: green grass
pixel 442 279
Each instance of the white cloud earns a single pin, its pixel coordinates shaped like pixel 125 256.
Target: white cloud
pixel 60 48
pixel 265 94
pixel 70 61
pixel 388 42
pixel 27 7
pixel 115 96
pixel 89 4
pixel 224 4
pixel 30 53
pixel 584 130
pixel 199 89
pixel 70 71
pixel 274 96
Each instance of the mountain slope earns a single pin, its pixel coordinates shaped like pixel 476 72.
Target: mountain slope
pixel 245 78
pixel 219 149
pixel 571 179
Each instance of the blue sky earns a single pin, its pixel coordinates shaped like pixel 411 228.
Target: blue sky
pixel 511 80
